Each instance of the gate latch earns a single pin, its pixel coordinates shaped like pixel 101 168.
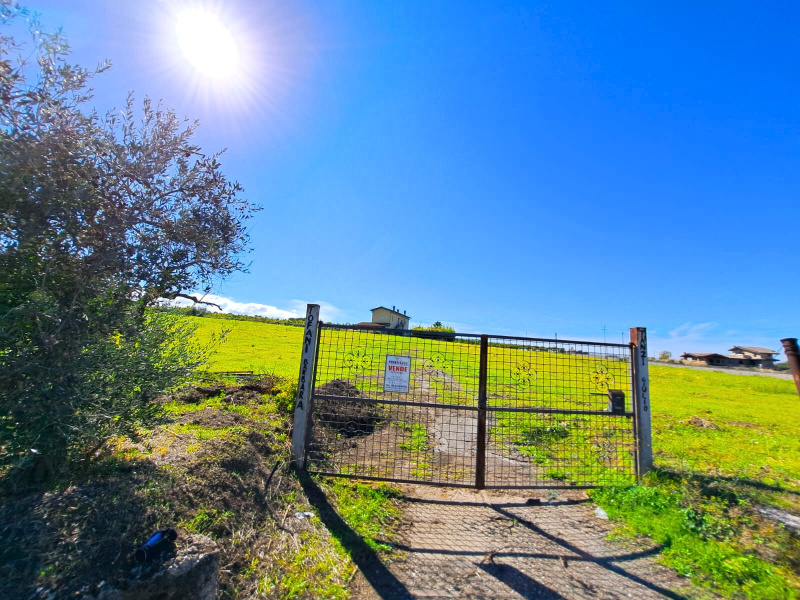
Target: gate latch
pixel 616 402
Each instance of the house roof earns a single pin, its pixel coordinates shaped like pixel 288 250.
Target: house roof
pixel 704 354
pixel 753 349
pixel 391 311
pixel 372 325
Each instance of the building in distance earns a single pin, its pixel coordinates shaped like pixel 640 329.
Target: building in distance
pixel 386 318
pixel 741 356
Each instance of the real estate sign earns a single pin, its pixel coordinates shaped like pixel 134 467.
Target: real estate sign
pixel 398 374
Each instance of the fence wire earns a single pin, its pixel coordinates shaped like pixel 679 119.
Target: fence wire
pixel 404 406
pixel 549 419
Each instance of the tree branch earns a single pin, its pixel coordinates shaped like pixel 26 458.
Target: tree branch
pixel 193 299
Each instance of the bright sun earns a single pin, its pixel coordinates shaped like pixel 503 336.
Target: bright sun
pixel 207 44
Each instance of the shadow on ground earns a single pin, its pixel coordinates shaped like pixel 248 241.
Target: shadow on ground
pixel 384 583
pixel 470 544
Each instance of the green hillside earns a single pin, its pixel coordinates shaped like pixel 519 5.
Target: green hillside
pixel 725 447
pixel 718 423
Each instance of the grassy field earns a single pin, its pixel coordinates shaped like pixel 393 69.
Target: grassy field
pixel 725 447
pixel 707 422
pixel 252 346
pixel 728 425
pixel 580 449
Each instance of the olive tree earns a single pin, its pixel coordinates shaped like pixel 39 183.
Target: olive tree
pixel 101 216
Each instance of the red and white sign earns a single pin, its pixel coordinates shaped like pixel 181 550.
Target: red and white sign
pixel 398 374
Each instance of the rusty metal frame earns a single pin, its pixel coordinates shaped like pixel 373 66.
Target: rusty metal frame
pixel 475 361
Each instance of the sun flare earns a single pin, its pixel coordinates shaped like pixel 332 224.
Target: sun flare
pixel 207 44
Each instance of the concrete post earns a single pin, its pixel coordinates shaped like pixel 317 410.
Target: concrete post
pixel 793 358
pixel 641 392
pixel 305 385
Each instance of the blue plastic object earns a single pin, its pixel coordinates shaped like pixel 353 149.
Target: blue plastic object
pixel 155 545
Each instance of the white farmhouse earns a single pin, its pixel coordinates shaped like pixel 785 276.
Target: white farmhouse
pixel 385 318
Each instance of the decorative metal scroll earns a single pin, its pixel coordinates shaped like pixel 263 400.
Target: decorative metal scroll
pixel 601 378
pixel 523 374
pixel 357 360
pixel 437 364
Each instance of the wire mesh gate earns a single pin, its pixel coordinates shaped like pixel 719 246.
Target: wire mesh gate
pixel 471 410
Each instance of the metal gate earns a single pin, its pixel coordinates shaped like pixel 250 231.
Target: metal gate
pixel 469 410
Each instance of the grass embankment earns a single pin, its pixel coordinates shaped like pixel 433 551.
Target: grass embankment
pixel 725 445
pixel 252 346
pixel 206 471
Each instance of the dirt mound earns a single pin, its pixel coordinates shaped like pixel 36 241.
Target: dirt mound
pixel 700 423
pixel 197 394
pixel 348 418
pixel 233 394
pixel 213 418
pixel 339 387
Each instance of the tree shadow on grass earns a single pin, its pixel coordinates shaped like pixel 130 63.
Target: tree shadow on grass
pixel 57 540
pixel 382 580
pixel 716 480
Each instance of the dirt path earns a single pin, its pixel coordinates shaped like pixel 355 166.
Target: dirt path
pixel 470 544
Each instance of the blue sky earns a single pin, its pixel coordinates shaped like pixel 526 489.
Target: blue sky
pixel 517 168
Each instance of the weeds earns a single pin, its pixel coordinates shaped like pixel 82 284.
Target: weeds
pixel 701 535
pixel 418 440
pixel 204 476
pixel 370 509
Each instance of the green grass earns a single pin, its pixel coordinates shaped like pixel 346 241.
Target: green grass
pixel 370 509
pixel 252 346
pixel 207 521
pixel 207 433
pixel 419 437
pixel 702 535
pixel 758 418
pixel 316 570
pixel 700 502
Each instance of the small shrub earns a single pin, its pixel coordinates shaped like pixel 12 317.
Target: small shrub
pixel 286 396
pixel 539 435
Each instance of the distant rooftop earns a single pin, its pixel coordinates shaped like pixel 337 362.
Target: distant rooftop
pixel 753 349
pixel 371 325
pixel 392 310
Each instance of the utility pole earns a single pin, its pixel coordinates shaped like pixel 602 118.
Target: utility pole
pixel 604 334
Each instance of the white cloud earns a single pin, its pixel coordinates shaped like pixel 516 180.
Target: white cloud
pixel 297 309
pixel 688 337
pixel 227 305
pixel 692 331
pixel 327 311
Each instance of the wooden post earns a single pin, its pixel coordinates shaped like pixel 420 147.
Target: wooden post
pixel 305 385
pixel 480 456
pixel 641 394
